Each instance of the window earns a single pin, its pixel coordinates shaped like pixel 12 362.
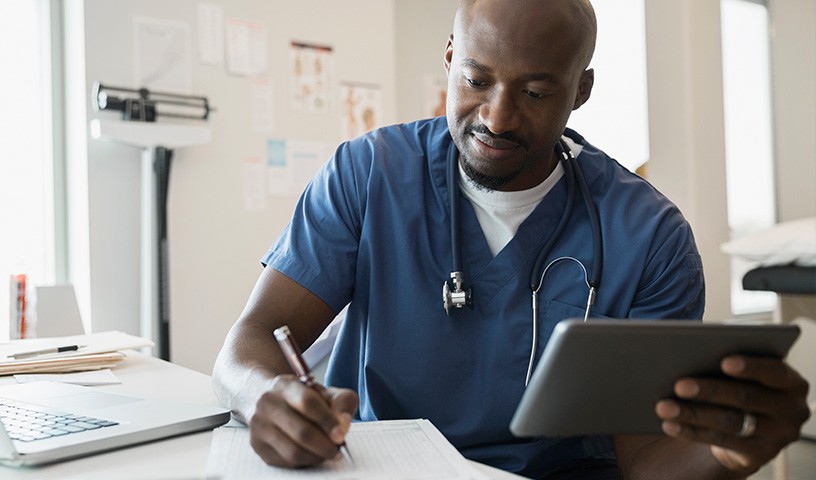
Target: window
pixel 26 162
pixel 616 117
pixel 749 158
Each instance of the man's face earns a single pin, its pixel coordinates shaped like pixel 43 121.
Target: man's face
pixel 512 84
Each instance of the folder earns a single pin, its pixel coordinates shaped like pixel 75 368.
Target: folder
pixel 96 351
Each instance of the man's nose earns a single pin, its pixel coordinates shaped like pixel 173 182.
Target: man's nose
pixel 499 113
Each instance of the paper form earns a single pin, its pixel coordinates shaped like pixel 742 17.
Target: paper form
pixel 100 342
pixel 254 185
pixel 246 47
pixel 404 449
pixel 262 104
pixel 279 170
pixel 210 33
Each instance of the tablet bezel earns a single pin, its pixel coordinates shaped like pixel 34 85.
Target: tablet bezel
pixel 591 378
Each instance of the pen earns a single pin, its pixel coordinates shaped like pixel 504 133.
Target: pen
pixel 301 369
pixel 45 351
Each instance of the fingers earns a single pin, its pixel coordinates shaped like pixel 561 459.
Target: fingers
pixel 736 394
pixel 760 385
pixel 722 429
pixel 747 417
pixel 714 421
pixel 311 404
pixel 770 372
pixel 342 400
pixel 345 403
pixel 294 425
pixel 277 448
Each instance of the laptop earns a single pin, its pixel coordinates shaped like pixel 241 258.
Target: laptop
pixel 46 422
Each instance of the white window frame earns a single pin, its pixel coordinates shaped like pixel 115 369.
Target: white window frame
pixel 749 137
pixel 48 224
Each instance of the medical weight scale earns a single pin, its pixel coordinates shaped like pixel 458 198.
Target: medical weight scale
pixel 138 127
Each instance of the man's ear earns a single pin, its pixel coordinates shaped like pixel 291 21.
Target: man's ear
pixel 584 88
pixel 448 54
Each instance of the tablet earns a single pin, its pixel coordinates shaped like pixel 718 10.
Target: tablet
pixel 605 376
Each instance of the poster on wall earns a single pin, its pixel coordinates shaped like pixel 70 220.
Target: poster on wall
pixel 246 47
pixel 361 106
pixel 311 77
pixel 162 55
pixel 435 95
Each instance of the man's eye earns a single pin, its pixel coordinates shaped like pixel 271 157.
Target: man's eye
pixel 474 83
pixel 533 95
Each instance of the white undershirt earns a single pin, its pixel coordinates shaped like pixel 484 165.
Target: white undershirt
pixel 501 213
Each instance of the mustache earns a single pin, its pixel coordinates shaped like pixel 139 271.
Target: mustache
pixel 507 136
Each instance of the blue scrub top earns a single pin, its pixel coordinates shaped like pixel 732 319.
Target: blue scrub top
pixel 373 229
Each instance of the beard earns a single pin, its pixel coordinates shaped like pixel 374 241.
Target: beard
pixel 483 180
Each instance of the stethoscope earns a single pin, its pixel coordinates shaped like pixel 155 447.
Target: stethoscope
pixel 456 295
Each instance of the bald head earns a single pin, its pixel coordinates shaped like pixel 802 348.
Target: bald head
pixel 570 20
pixel 516 71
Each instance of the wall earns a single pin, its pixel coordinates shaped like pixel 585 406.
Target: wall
pixel 215 243
pixel 687 153
pixel 793 55
pixel 422 31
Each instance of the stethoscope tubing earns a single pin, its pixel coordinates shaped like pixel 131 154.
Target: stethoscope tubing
pixel 574 177
pixel 569 172
pixel 453 199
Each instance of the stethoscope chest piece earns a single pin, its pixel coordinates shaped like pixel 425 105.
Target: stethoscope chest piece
pixel 457 296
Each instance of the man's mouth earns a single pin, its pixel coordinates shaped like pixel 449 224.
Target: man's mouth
pixel 495 142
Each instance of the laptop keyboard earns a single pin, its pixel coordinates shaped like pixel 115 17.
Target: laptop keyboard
pixel 26 422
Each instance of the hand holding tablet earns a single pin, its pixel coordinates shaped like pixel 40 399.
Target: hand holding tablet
pixel 607 376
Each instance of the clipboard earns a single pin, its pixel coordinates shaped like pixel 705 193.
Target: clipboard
pixel 605 376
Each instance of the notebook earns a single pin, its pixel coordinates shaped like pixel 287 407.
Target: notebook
pixel 45 422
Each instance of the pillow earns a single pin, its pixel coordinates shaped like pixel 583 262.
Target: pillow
pixel 785 243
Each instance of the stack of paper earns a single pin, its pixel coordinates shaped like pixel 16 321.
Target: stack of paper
pixel 92 352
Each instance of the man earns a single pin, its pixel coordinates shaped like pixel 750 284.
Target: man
pixel 374 229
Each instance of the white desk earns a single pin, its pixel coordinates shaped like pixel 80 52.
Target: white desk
pixel 173 459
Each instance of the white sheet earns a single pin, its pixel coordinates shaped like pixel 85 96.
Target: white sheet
pixel 785 243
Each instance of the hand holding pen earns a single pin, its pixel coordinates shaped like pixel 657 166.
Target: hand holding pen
pixel 295 359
